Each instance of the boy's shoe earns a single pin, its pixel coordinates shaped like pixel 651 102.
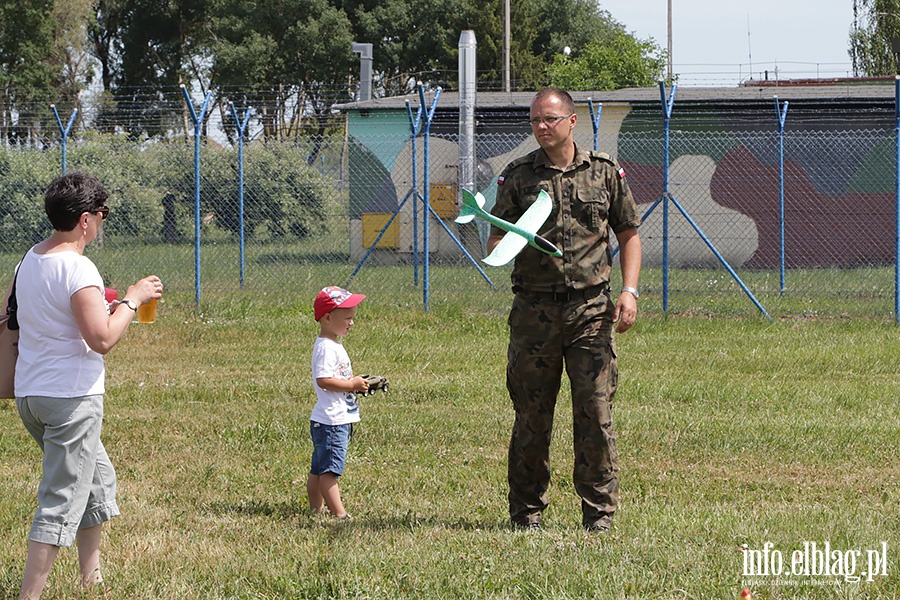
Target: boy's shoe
pixel 345 517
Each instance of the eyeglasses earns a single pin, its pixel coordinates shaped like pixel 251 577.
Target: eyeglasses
pixel 548 121
pixel 103 211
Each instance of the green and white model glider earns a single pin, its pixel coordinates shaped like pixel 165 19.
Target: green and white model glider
pixel 524 231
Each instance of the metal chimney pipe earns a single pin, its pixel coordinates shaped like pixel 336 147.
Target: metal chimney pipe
pixel 365 70
pixel 467 50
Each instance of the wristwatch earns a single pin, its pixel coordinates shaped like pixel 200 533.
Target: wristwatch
pixel 632 291
pixel 130 304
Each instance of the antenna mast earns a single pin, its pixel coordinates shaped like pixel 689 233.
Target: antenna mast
pixel 749 49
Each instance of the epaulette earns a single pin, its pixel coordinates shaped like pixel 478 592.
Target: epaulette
pixel 602 156
pixel 620 172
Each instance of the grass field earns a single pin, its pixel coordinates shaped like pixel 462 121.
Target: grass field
pixel 731 431
pixel 278 271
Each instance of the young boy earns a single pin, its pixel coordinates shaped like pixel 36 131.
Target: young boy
pixel 336 409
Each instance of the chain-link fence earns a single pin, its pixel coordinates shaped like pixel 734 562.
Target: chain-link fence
pixel 341 203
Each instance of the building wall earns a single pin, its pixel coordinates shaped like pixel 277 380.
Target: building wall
pixel 722 169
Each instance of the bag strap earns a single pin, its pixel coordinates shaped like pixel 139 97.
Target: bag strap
pixel 13 305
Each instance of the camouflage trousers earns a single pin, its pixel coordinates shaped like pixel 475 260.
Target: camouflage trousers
pixel 543 337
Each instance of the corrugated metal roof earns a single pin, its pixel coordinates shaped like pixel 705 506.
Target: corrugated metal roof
pixel 836 91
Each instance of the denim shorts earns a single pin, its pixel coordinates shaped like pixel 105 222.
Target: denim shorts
pixel 78 485
pixel 330 444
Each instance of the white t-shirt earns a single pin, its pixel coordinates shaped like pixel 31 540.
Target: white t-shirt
pixel 54 360
pixel 330 359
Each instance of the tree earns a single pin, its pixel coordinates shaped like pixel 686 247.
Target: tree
pixel 145 48
pixel 874 37
pixel 576 25
pixel 418 39
pixel 162 42
pixel 616 62
pixel 527 62
pixel 26 70
pixel 288 54
pixel 72 59
pixel 291 58
pixel 104 35
pixel 411 39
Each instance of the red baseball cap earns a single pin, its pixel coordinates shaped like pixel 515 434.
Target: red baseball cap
pixel 334 297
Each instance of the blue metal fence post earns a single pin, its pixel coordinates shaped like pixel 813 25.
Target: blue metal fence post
pixel 64 132
pixel 414 193
pixel 414 124
pixel 781 113
pixel 897 201
pixel 241 127
pixel 667 116
pixel 198 126
pixel 425 184
pixel 667 198
pixel 595 122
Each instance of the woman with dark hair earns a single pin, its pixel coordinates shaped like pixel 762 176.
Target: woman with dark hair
pixel 66 326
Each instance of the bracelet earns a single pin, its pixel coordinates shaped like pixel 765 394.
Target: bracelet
pixel 632 291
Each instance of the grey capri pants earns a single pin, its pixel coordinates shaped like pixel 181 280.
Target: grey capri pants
pixel 78 486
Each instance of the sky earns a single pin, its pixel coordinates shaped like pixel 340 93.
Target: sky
pixel 724 42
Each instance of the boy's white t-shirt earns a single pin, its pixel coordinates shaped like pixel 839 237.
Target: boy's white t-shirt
pixel 54 360
pixel 330 359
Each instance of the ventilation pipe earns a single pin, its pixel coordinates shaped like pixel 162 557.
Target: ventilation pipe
pixel 469 234
pixel 467 46
pixel 365 70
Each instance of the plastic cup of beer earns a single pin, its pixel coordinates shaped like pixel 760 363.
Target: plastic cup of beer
pixel 147 312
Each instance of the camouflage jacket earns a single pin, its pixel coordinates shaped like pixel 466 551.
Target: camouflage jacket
pixel 589 197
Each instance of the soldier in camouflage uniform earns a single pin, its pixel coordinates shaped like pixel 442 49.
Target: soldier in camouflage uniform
pixel 562 313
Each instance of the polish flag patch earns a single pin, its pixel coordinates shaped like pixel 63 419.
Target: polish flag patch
pixel 500 180
pixel 621 173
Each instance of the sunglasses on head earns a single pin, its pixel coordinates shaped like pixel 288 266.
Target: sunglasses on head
pixel 103 211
